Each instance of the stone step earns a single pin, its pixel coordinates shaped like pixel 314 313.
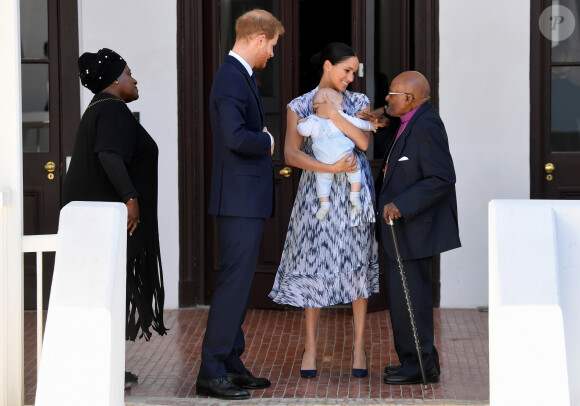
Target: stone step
pixel 301 401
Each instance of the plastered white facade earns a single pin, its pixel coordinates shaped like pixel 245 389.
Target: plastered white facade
pixel 484 101
pixel 144 33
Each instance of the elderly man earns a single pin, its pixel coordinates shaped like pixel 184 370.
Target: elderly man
pixel 417 190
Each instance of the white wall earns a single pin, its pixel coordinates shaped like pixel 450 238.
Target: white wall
pixel 484 102
pixel 144 33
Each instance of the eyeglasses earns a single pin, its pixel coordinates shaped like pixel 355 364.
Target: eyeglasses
pixel 393 93
pixel 412 95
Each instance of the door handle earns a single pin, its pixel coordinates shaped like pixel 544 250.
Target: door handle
pixel 549 168
pixel 50 168
pixel 286 171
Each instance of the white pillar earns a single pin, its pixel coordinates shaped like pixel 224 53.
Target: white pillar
pixel 84 341
pixel 534 306
pixel 11 270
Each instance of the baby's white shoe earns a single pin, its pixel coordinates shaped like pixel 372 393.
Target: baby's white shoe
pixel 324 207
pixel 355 200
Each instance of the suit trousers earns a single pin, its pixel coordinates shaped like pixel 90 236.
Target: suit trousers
pixel 418 278
pixel 224 342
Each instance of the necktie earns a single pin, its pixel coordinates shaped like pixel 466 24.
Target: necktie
pixel 254 80
pixel 257 91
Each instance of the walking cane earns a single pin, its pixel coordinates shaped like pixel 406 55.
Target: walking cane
pixel 408 300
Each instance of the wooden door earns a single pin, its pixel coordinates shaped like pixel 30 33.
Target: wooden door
pixel 309 26
pixel 49 39
pixel 276 83
pixel 555 101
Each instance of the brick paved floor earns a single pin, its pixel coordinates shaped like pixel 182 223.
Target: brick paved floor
pixel 168 366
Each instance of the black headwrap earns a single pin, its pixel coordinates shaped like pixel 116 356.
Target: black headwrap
pixel 97 71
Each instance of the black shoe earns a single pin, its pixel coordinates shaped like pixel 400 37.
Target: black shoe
pixel 131 377
pixel 308 373
pixel 220 388
pixel 248 381
pixel 360 373
pixel 402 379
pixel 392 369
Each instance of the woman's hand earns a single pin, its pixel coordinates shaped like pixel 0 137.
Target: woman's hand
pixel 132 215
pixel 346 164
pixel 326 109
pixel 360 138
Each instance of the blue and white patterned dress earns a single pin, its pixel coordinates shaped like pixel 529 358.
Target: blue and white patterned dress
pixel 334 260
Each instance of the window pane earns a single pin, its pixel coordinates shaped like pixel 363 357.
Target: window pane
pixel 268 79
pixel 35 113
pixel 34 29
pixel 565 119
pixel 567 50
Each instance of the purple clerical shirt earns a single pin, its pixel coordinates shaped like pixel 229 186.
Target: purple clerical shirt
pixel 405 118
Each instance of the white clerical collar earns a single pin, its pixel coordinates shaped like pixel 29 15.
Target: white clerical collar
pixel 243 62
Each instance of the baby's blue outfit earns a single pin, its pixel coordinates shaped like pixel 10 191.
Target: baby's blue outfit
pixel 329 145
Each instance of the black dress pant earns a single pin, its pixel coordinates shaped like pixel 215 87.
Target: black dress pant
pixel 418 277
pixel 224 342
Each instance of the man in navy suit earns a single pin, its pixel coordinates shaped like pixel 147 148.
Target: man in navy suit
pixel 242 197
pixel 417 190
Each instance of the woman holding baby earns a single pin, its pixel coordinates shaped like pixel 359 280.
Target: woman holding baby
pixel 334 259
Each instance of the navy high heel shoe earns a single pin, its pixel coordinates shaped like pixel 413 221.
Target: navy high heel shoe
pixel 307 373
pixel 360 373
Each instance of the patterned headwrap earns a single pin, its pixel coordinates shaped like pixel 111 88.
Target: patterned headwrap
pixel 97 71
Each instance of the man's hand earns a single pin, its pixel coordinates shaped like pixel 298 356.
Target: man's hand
pixel 377 119
pixel 265 129
pixel 132 215
pixel 391 211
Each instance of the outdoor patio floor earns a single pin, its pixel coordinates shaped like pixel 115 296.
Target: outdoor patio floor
pixel 168 366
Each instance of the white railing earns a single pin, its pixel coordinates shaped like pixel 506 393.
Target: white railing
pixel 39 244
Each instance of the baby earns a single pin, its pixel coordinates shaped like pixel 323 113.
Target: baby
pixel 329 145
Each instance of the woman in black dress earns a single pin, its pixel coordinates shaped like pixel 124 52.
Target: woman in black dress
pixel 115 160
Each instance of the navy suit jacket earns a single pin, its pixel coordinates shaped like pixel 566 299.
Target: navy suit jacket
pixel 242 183
pixel 420 181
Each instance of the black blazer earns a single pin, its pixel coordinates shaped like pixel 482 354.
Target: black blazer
pixel 242 181
pixel 420 181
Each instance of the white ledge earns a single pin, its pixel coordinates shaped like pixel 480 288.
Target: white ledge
pixel 39 243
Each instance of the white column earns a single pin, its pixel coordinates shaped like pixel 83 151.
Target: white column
pixel 84 341
pixel 534 306
pixel 11 271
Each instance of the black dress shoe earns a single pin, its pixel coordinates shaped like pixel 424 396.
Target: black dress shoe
pixel 402 379
pixel 131 377
pixel 393 369
pixel 358 372
pixel 220 388
pixel 248 381
pixel 308 373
